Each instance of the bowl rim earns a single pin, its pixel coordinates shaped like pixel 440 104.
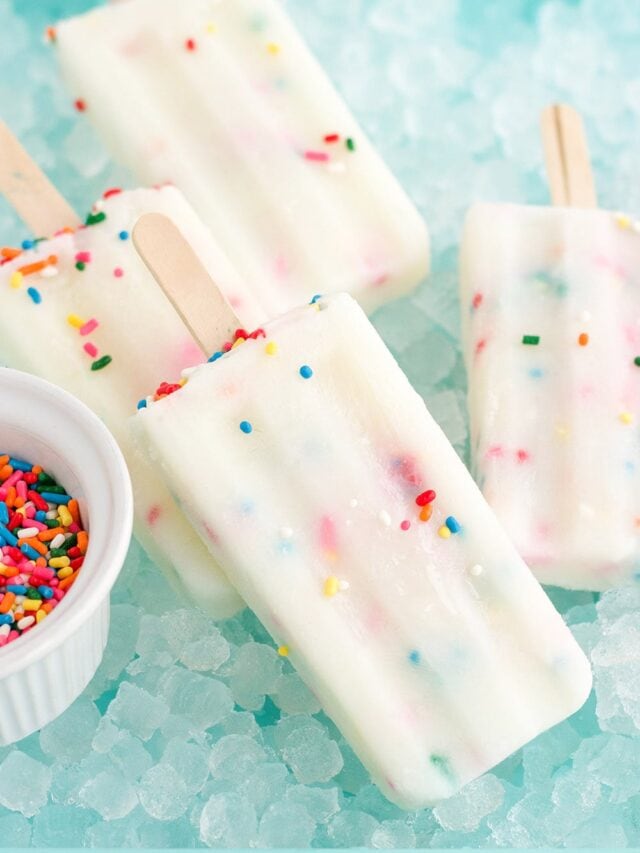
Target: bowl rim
pixel 59 626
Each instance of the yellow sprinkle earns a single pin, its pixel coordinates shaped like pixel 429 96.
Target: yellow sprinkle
pixel 562 430
pixel 210 28
pixel 64 573
pixel 15 279
pixel 273 48
pixel 283 651
pixel 237 343
pixel 75 321
pixel 626 417
pixel 31 604
pixel 40 615
pixel 65 516
pixel 59 562
pixel 331 586
pixel 183 381
pixel 444 532
pixel 622 220
pixel 271 348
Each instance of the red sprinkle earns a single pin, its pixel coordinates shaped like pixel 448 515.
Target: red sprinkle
pixel 405 525
pixel 477 300
pixel 112 191
pixel 80 105
pixel 190 44
pixel 332 137
pixel 522 455
pixel 425 498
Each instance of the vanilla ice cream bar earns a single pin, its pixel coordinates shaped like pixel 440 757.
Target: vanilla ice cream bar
pixel 551 317
pixel 339 510
pixel 223 99
pixel 82 311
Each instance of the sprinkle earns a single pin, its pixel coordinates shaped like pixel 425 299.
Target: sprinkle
pixel 80 105
pixel 15 279
pixel 246 427
pixel 215 356
pixel 80 265
pixel 476 570
pixel 38 266
pixel 273 48
pixel 331 586
pixel 531 340
pixel 315 298
pixel 35 295
pixel 332 137
pixel 316 156
pixel 283 651
pixel 190 44
pixel 414 657
pixel 444 532
pixel 622 220
pixel 95 218
pixel 85 257
pixel 88 327
pixel 75 321
pixel 50 34
pixel 425 498
pixel 583 339
pixel 426 512
pixel 118 272
pixel 477 300
pixel 271 348
pixel 306 372
pixel 123 235
pixel 141 404
pixel 405 525
pixel 453 524
pixel 626 417
pixel 210 28
pixel 101 362
pixel 636 361
pixel 91 349
pixel 385 518
pixel 351 145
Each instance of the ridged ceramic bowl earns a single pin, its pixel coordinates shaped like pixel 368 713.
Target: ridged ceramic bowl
pixel 42 672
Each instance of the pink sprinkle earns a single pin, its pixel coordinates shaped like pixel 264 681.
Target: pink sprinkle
pixel 118 272
pixel 477 300
pixel 316 156
pixel 328 536
pixel 522 455
pixel 91 349
pixel 480 346
pixel 153 515
pixel 88 327
pixel 83 257
pixel 405 525
pixel 73 528
pixel 495 450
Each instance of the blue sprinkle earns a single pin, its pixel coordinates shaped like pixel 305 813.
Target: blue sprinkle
pixel 16 589
pixel 123 235
pixel 5 619
pixel 246 427
pixel 27 244
pixel 41 515
pixel 20 465
pixel 453 524
pixel 35 295
pixel 4 513
pixel 536 372
pixel 414 657
pixel 142 404
pixel 52 498
pixel 215 356
pixel 630 466
pixel 306 372
pixel 315 298
pixel 8 536
pixel 45 591
pixel 29 552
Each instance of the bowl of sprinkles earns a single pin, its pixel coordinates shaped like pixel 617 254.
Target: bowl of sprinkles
pixel 65 526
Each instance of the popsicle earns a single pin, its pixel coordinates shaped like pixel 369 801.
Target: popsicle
pixel 551 322
pixel 224 99
pixel 81 310
pixel 337 507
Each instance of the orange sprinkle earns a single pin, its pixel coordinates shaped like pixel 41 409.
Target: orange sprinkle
pixel 8 571
pixel 28 269
pixel 73 508
pixel 37 469
pixel 41 561
pixel 50 34
pixel 11 497
pixel 583 339
pixel 3 461
pixel 48 535
pixel 7 601
pixel 9 253
pixel 67 582
pixel 18 503
pixel 83 541
pixel 5 471
pixel 426 512
pixel 48 606
pixel 37 546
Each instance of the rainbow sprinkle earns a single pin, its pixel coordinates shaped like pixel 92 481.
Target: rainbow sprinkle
pixel 42 546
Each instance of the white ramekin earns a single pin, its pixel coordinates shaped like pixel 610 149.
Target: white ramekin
pixel 43 672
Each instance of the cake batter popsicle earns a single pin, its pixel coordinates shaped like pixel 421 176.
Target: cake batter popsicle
pixel 551 321
pixel 224 99
pixel 81 310
pixel 337 507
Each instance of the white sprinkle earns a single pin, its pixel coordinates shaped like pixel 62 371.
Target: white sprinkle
pixel 353 503
pixel 585 316
pixel 384 517
pixel 58 540
pixel 49 272
pixel 476 570
pixel 286 532
pixel 52 513
pixel 342 585
pixel 27 532
pixel 5 630
pixel 26 622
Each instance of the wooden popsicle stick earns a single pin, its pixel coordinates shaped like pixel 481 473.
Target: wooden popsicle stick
pixel 32 195
pixel 185 281
pixel 567 157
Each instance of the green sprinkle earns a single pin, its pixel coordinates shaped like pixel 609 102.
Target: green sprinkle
pixel 94 218
pixel 532 340
pixel 636 361
pixel 52 522
pixel 52 488
pixel 442 764
pixel 80 265
pixel 351 145
pixel 101 362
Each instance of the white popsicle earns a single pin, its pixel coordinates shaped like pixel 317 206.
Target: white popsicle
pixel 224 99
pixel 337 507
pixel 90 318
